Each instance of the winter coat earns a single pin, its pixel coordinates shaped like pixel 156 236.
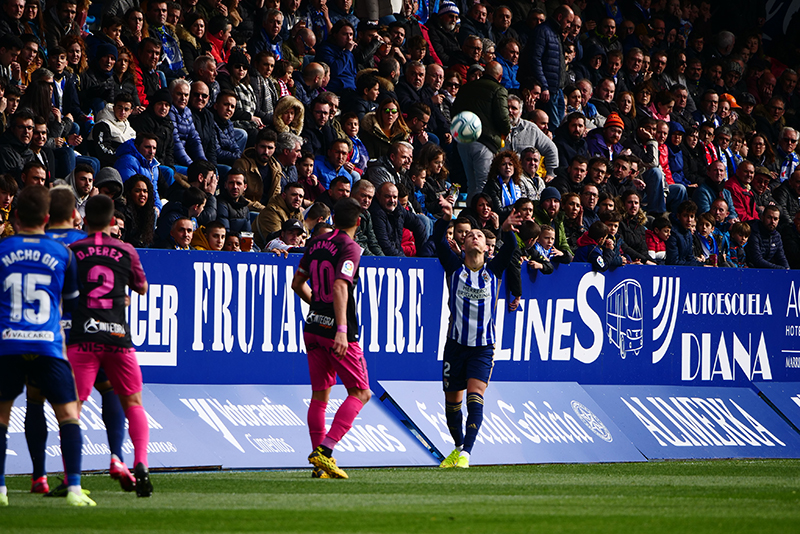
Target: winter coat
pixel 233 214
pixel 634 240
pixel 706 194
pixel 188 146
pixel 389 228
pixel 489 101
pixel 765 248
pixel 108 134
pixel 568 147
pixel 271 218
pixel 541 217
pixel 227 148
pixel 13 155
pixel 204 124
pixel 375 140
pixel 743 200
pixel 296 127
pixel 365 236
pixel 596 145
pixel 788 201
pixel 130 161
pixel 163 128
pixel 342 64
pixel 382 170
pixel 680 246
pixel 445 42
pixel 266 94
pixel 99 89
pixel 543 56
pixel 591 252
pixel 257 190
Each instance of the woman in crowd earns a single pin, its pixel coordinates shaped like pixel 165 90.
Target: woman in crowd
pixel 383 127
pixel 123 77
pixel 633 228
pixel 502 185
pixel 139 211
pixel 643 97
pixel 627 111
pixel 33 20
pixel 77 58
pixel 437 184
pixel 288 116
pixel 762 154
pixel 238 81
pixel 135 29
pixel 190 33
pixel 481 214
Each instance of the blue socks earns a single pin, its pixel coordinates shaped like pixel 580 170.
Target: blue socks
pixel 71 444
pixel 474 419
pixel 114 419
pixel 452 412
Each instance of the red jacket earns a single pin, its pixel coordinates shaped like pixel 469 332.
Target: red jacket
pixel 743 200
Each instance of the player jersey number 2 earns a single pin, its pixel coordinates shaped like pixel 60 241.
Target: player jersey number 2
pixel 322 280
pixel 28 299
pixel 96 299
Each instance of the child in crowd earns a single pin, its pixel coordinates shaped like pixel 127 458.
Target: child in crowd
pixel 232 243
pixel 613 244
pixel 210 237
pixel 358 156
pixel 306 177
pixel 491 242
pixel 418 175
pixel 740 233
pixel 707 247
pixel 8 190
pixel 461 228
pixel 545 245
pixel 591 247
pixel 408 243
pixel 657 240
pixel 283 74
pixel 529 234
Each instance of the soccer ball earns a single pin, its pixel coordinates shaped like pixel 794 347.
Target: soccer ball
pixel 466 127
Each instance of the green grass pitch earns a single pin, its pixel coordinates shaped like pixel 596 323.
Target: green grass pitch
pixel 688 497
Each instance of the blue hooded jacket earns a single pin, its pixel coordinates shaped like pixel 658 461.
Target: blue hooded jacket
pixel 676 163
pixel 130 161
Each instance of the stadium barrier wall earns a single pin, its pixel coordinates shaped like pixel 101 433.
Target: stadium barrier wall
pixel 223 318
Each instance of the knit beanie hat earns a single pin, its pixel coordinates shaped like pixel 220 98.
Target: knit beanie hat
pixel 106 49
pixel 614 120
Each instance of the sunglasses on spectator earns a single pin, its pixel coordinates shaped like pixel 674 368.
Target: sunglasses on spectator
pixel 390 110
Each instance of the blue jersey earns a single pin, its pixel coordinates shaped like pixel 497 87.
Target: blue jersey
pixel 68 236
pixel 473 294
pixel 36 272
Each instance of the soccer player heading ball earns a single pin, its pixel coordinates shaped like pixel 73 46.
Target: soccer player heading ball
pixel 331 333
pixel 469 349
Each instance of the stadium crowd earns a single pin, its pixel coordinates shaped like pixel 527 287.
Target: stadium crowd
pixel 648 132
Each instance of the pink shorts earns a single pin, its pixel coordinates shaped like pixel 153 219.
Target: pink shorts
pixel 324 365
pixel 120 364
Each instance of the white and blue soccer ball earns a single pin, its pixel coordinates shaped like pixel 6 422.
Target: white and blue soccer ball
pixel 466 127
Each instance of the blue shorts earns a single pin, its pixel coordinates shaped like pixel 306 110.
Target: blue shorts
pixel 53 377
pixel 462 363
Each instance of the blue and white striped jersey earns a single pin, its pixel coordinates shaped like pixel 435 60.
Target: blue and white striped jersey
pixel 473 294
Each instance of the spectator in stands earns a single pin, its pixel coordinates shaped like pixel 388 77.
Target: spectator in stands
pixel 570 180
pixel 765 246
pixel 337 53
pixel 569 138
pixel 318 134
pixel 230 141
pixel 138 156
pixel 524 134
pixel 156 120
pixel 442 32
pixel 112 129
pixel 33 173
pixel 8 190
pixel 326 168
pixel 308 83
pixel 180 235
pixel 188 146
pixel 279 209
pixel 549 212
pixel 172 60
pixel 148 78
pixel 791 242
pixel 713 187
pixel 14 150
pixel 262 171
pixel 190 206
pixel 203 119
pixel 81 181
pixel 205 70
pixel 680 245
pixel 633 229
pixel 744 203
pixel 202 175
pixel 383 127
pixel 365 98
pixel 542 60
pixel 339 189
pixel 391 167
pixel 787 153
pixel 290 237
pixel 209 237
pixel 364 192
pixel 489 101
pixel 605 142
pixel 409 88
pixel 389 221
pixel 268 38
pixel 787 197
pixel 232 206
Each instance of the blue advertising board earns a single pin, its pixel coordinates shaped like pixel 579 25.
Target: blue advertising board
pixel 679 422
pixel 240 426
pixel 785 396
pixel 523 423
pixel 224 318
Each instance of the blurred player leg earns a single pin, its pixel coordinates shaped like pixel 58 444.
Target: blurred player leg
pixel 36 437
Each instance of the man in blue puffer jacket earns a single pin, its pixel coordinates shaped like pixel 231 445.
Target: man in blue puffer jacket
pixel 187 144
pixel 543 62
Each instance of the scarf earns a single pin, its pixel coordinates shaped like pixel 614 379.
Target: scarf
pixel 510 192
